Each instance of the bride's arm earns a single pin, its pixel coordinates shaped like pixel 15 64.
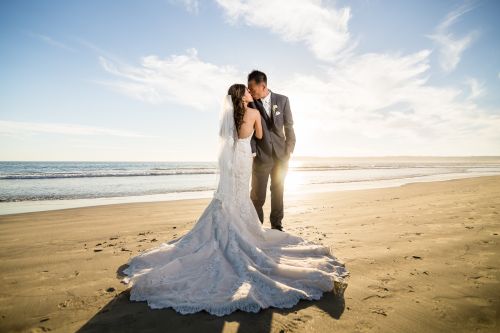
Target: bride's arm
pixel 258 125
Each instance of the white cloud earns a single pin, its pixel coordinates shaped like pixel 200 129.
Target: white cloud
pixel 98 50
pixel 364 103
pixel 16 128
pixel 451 47
pixel 51 41
pixel 191 6
pixel 377 103
pixel 180 79
pixel 477 89
pixel 323 29
pixel 372 103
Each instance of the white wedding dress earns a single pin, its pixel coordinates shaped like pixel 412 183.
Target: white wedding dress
pixel 229 261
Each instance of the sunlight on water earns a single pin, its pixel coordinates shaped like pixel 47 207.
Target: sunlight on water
pixel 293 178
pixel 293 181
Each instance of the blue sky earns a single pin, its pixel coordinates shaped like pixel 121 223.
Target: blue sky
pixel 131 80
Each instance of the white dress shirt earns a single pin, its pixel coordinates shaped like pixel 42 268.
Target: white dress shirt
pixel 266 101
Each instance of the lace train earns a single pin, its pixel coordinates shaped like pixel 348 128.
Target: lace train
pixel 228 261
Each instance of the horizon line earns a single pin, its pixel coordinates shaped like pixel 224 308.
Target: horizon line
pixel 297 157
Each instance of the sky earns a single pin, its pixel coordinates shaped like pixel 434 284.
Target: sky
pixel 144 80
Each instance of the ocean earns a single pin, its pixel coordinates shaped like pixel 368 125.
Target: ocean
pixel 38 186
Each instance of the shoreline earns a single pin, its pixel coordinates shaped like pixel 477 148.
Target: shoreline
pixel 19 207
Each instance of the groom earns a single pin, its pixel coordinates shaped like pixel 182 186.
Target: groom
pixel 272 152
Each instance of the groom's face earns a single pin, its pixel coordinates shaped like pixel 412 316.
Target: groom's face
pixel 257 90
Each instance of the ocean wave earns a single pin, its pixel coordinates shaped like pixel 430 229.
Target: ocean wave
pixel 381 178
pixel 207 171
pixel 171 172
pixel 55 196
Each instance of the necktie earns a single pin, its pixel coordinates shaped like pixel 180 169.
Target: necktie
pixel 261 106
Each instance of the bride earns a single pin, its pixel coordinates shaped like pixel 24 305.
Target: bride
pixel 228 260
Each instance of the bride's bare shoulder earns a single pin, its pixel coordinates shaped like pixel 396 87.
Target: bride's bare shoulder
pixel 253 111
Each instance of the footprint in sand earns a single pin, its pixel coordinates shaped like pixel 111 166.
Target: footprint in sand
pixel 478 278
pixel 364 326
pixel 479 300
pixel 379 311
pixel 373 296
pixel 294 325
pixel 413 257
pixel 64 304
pixel 387 279
pixel 40 329
pixel 378 288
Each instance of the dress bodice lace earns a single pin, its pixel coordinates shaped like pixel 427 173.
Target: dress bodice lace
pixel 229 261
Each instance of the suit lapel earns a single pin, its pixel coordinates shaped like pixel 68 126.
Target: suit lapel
pixel 273 102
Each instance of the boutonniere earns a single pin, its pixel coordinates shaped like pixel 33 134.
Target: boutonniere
pixel 275 110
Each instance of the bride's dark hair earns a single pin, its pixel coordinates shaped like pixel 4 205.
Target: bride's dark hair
pixel 237 91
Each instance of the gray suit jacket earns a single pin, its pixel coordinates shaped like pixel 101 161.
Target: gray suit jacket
pixel 277 130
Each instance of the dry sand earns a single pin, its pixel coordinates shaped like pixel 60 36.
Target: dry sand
pixel 423 257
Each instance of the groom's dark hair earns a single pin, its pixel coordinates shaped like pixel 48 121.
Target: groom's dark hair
pixel 257 76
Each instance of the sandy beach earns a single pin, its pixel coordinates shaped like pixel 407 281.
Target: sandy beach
pixel 423 257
